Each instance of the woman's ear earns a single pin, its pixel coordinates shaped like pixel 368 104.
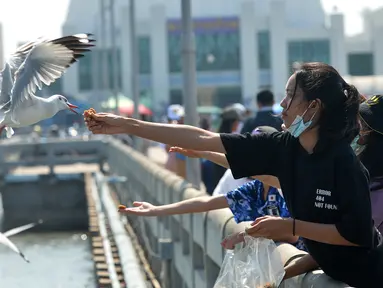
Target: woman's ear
pixel 316 105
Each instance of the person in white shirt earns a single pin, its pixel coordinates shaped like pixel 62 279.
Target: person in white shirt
pixel 228 183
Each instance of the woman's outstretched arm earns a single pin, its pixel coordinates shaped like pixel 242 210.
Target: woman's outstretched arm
pixel 194 205
pixel 172 134
pixel 176 135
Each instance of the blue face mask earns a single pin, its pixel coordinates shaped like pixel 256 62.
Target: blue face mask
pixel 298 126
pixel 358 148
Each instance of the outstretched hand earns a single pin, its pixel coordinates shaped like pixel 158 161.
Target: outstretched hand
pixel 140 209
pixel 186 152
pixel 105 123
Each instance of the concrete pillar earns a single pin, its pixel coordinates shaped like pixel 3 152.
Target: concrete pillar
pixel 71 76
pixel 338 55
pixel 278 42
pixel 125 52
pixel 249 50
pixel 159 55
pixel 377 48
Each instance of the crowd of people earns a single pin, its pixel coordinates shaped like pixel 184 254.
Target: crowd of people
pixel 312 177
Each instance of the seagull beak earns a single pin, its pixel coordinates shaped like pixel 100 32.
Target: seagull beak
pixel 71 107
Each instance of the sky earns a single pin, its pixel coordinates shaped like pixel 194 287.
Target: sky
pixel 45 17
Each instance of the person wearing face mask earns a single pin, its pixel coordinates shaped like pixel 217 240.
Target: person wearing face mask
pixel 325 186
pixel 368 146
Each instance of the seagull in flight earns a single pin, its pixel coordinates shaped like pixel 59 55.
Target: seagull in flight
pixel 34 64
pixel 5 240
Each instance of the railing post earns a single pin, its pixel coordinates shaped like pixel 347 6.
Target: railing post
pixel 165 246
pixel 51 159
pixel 3 166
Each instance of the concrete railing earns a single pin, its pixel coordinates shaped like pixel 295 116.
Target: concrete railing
pixel 184 249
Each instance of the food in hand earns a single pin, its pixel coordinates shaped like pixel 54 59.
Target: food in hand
pixel 121 207
pixel 89 113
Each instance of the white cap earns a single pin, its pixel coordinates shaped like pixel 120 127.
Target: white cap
pixel 176 112
pixel 239 107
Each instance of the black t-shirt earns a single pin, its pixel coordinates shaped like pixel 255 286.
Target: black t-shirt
pixel 329 186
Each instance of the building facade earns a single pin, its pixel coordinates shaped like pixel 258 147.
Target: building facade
pixel 365 54
pixel 1 47
pixel 241 47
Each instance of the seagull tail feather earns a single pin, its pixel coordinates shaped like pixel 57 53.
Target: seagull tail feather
pixel 25 258
pixel 10 131
pixel 2 115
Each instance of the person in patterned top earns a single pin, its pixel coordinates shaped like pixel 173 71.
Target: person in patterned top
pixel 253 200
pixel 247 203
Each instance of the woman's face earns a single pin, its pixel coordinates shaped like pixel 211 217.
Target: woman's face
pixel 294 103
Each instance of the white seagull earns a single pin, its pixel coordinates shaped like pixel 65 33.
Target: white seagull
pixel 5 240
pixel 36 63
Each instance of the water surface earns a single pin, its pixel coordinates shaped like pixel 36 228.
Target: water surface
pixel 58 260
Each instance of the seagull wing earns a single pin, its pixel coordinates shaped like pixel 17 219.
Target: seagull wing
pixel 21 53
pixel 5 241
pixel 20 229
pixel 6 87
pixel 45 63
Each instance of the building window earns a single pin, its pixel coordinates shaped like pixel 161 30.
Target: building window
pixel 211 96
pixel 361 64
pixel 308 51
pixel 175 56
pixel 144 55
pixel 264 59
pixel 217 45
pixel 85 69
pixel 114 73
pixel 93 63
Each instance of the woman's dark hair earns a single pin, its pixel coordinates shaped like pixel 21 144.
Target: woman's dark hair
pixel 226 125
pixel 204 124
pixel 229 116
pixel 372 156
pixel 340 101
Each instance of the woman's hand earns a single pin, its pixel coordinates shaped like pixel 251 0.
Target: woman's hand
pixel 186 152
pixel 105 123
pixel 230 241
pixel 271 227
pixel 141 209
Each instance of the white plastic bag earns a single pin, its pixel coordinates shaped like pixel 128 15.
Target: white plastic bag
pixel 257 264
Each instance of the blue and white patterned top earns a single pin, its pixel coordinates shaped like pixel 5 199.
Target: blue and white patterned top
pixel 247 204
